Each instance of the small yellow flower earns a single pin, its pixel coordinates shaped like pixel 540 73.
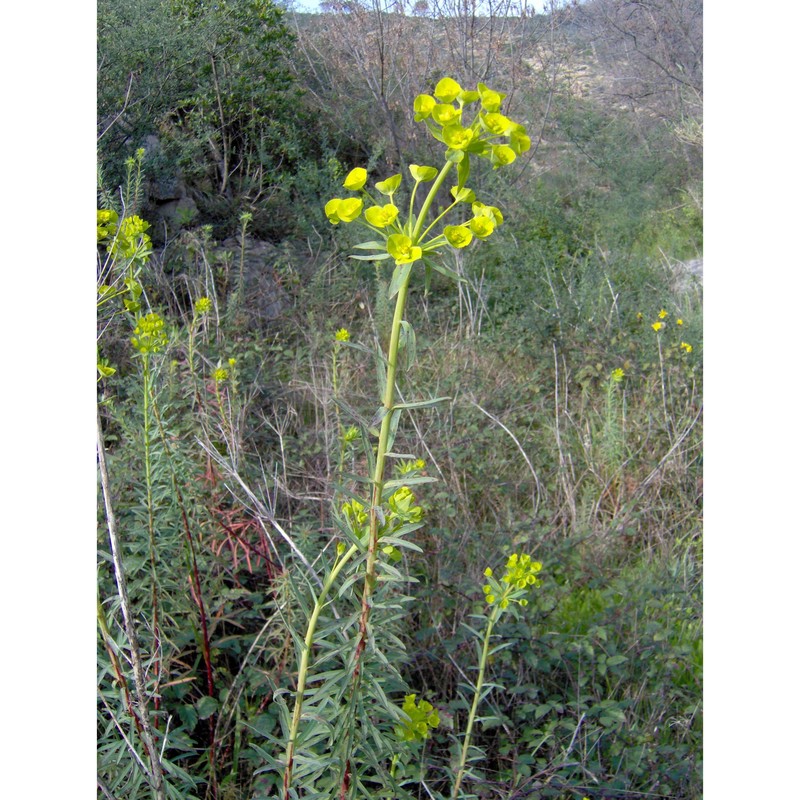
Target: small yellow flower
pixel 490 100
pixel 617 375
pixel 232 362
pixel 662 314
pixel 402 249
pixel 447 90
pixel 519 141
pixel 355 179
pixel 420 717
pixel 497 123
pixel 338 210
pixel 639 315
pixel 202 306
pixel 679 322
pixel 488 572
pixel 445 114
pixel 149 335
pixel 686 347
pixel 351 434
pixel 381 216
pixel 390 185
pixel 342 335
pixel 220 375
pixel 423 105
pixel 457 235
pixel 481 226
pixel 502 155
pixel 657 326
pixel 456 137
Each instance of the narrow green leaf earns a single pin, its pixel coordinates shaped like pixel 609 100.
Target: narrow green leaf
pixel 408 343
pixel 399 277
pixel 422 403
pixel 463 171
pixel 376 257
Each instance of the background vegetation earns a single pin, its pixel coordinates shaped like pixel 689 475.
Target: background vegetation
pixel 249 117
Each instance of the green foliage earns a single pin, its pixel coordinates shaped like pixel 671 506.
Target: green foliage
pixel 213 82
pixel 239 452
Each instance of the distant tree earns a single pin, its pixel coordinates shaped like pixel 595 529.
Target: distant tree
pixel 656 50
pixel 381 53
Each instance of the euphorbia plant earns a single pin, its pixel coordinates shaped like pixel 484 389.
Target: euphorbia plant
pixel 469 125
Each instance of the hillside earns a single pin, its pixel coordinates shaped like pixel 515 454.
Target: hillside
pixel 400 420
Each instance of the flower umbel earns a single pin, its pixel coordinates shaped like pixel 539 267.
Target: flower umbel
pixel 490 135
pixel 421 717
pixel 149 335
pixel 520 575
pixel 202 306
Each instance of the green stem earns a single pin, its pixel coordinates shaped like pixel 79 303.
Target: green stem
pixel 496 611
pixel 380 458
pixel 302 674
pixel 148 480
pixel 415 236
pixel 339 426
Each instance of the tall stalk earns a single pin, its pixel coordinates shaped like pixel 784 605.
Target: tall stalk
pixel 155 777
pixel 151 520
pixel 499 140
pixel 305 659
pixel 475 700
pixel 386 423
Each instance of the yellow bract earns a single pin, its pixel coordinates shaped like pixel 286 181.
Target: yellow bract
pixel 390 185
pixel 458 235
pixel 481 226
pixel 445 114
pixel 422 174
pixel 490 100
pixel 402 249
pixel 456 137
pixel 497 123
pixel 355 179
pixel 447 90
pixel 502 154
pixel 338 210
pixel 423 105
pixel 381 216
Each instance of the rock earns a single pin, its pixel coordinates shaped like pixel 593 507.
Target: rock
pixel 263 298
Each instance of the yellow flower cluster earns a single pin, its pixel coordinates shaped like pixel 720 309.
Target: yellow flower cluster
pixel 149 334
pixel 420 718
pixel 402 506
pixel 660 325
pixel 127 238
pixel 402 511
pixel 520 575
pixel 106 223
pixel 202 306
pixel 406 467
pixel 489 135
